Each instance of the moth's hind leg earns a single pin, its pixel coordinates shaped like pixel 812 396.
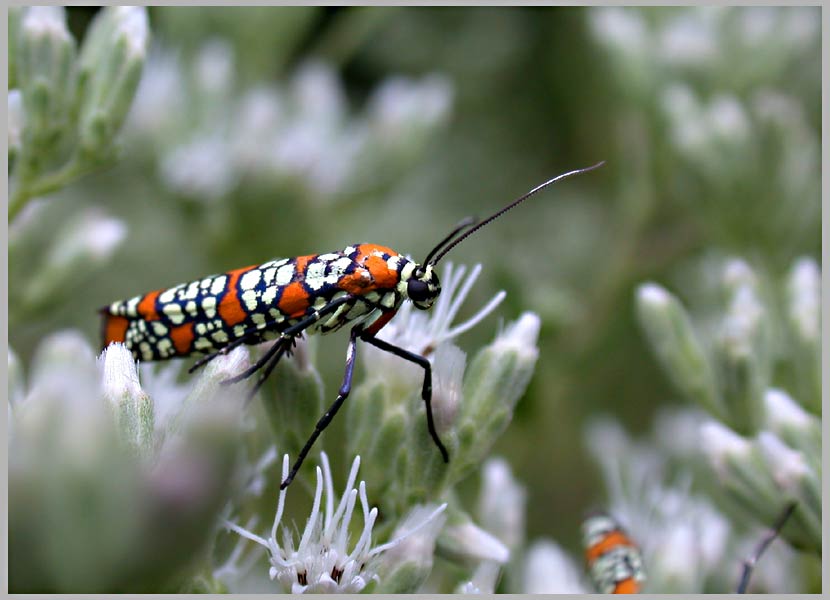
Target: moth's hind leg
pixel 280 347
pixel 206 359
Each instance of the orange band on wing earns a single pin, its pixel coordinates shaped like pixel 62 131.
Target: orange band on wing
pixel 182 337
pixel 627 586
pixel 230 308
pixel 147 306
pixel 612 540
pixel 115 329
pixel 294 300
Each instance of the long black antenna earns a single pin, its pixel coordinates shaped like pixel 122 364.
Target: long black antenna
pixel 463 224
pixel 496 215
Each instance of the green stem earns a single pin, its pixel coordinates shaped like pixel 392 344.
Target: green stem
pixel 47 184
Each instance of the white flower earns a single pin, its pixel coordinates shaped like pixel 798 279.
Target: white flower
pixel 237 563
pixel 471 542
pixel 621 29
pixel 131 24
pixel 87 240
pixel 788 467
pixel 119 374
pixel 16 118
pixel 322 562
pixel 783 412
pixel 421 331
pixel 484 579
pixel 683 538
pixel 199 168
pixel 728 119
pixel 501 503
pixel 688 40
pixel 676 431
pixel 804 296
pixel 160 102
pixel 400 103
pixel 655 295
pixel 43 21
pixel 721 445
pixel 548 569
pixel 448 382
pixel 214 66
pixel 520 336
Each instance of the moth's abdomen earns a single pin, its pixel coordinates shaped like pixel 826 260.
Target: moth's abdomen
pixel 255 302
pixel 192 317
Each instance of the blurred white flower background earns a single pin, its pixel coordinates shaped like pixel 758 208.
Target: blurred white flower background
pixel 642 341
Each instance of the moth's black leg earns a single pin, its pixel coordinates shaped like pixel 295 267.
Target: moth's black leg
pixel 252 336
pixel 284 347
pixel 749 563
pixel 345 388
pixel 316 316
pixel 426 390
pixel 279 346
pixel 206 359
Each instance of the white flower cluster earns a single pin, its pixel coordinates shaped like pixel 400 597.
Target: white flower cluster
pixel 95 484
pixel 321 561
pixel 299 131
pixel 763 444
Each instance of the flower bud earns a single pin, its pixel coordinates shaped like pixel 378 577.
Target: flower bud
pixel 803 292
pixel 16 123
pixel 17 389
pixel 295 400
pixel 739 468
pixel 723 447
pixel 464 541
pixel 549 570
pixel 133 408
pixel 484 579
pixel 378 425
pixel 209 390
pixel 497 377
pixel 407 565
pixel 111 61
pixel 796 480
pixel 741 347
pixel 387 416
pixel 804 299
pixel 501 503
pixel 795 426
pixel 100 519
pixel 61 355
pixel 759 477
pixel 671 335
pixel 46 74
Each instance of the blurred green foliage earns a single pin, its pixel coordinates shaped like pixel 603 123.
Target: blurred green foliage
pixel 708 120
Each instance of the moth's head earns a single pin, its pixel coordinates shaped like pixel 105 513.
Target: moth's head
pixel 422 286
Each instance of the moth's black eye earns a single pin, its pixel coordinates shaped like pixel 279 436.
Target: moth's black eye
pixel 417 290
